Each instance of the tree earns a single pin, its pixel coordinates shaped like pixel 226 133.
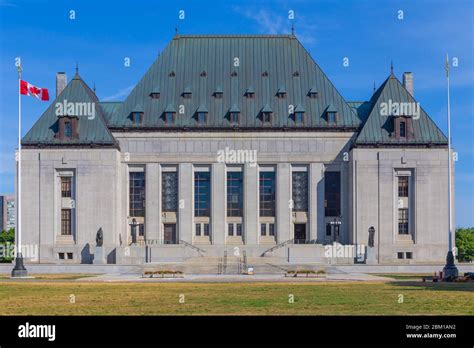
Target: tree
pixel 465 244
pixel 7 239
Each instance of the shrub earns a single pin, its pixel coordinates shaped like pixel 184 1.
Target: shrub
pixel 465 244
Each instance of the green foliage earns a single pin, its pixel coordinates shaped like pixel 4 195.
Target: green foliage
pixel 6 238
pixel 465 244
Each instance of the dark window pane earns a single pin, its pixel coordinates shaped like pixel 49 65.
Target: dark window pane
pixel 137 194
pixel 169 190
pixel 198 229
pixel 263 229
pixel 403 129
pixel 239 229
pixel 230 229
pixel 68 129
pixel 271 228
pixel 300 191
pixel 235 192
pixel 206 229
pixel 332 193
pixel 403 186
pixel 267 193
pixel 403 221
pixel 66 222
pixel 202 193
pixel 202 117
pixel 66 182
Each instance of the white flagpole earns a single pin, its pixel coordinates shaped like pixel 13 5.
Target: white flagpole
pixel 450 270
pixel 19 270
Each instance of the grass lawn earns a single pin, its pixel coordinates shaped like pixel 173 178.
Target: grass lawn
pixel 324 298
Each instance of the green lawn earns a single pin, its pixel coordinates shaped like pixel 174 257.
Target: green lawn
pixel 319 298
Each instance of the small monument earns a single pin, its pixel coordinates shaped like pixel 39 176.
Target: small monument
pixel 99 256
pixel 371 257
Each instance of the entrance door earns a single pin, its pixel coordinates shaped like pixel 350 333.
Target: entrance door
pixel 169 235
pixel 300 233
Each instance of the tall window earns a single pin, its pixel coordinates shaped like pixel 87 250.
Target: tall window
pixel 300 191
pixel 267 193
pixel 169 191
pixel 202 194
pixel 66 186
pixel 137 193
pixel 403 221
pixel 332 193
pixel 234 117
pixel 403 186
pixel 235 194
pixel 137 117
pixel 299 117
pixel 66 222
pixel 331 117
pixel 169 117
pixel 68 129
pixel 403 129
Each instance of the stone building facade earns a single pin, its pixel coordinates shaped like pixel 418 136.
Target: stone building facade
pixel 235 143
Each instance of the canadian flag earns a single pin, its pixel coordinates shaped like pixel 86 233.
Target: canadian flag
pixel 29 89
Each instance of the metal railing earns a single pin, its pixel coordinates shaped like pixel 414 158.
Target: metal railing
pixel 195 248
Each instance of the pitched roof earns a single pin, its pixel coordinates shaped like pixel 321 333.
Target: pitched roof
pixel 90 130
pixel 278 55
pixel 378 128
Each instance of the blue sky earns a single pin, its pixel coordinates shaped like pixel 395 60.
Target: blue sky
pixel 369 33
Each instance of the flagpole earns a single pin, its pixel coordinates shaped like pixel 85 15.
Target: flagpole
pixel 19 270
pixel 450 269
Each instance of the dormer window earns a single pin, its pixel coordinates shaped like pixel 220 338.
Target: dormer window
pixel 281 93
pixel 172 74
pixel 296 73
pixel 186 93
pixel 313 94
pixel 218 93
pixel 299 115
pixel 331 117
pixel 250 93
pixel 202 117
pixel 137 117
pixel 234 73
pixel 155 92
pixel 403 127
pixel 234 115
pixel 169 117
pixel 267 117
pixel 67 129
pixel 203 73
pixel 265 74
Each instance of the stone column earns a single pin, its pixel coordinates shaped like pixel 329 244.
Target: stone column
pixel 283 196
pixel 251 206
pixel 218 203
pixel 152 199
pixel 185 213
pixel 316 202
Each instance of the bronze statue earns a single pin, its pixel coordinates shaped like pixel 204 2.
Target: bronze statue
pixel 99 238
pixel 371 236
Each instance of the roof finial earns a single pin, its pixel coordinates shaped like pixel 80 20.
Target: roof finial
pixel 374 86
pixel 94 87
pixel 77 67
pixel 391 67
pixel 176 30
pixel 293 27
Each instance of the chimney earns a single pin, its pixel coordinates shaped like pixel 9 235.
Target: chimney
pixel 408 83
pixel 61 82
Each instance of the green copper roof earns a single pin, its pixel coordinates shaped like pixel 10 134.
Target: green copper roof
pixel 281 56
pixel 378 128
pixel 90 130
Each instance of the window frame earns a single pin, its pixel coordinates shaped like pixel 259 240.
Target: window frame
pixel 66 222
pixel 267 198
pixel 202 177
pixel 403 221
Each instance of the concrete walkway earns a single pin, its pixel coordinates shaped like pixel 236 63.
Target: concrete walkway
pixel 234 278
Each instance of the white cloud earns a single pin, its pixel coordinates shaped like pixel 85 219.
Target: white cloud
pixel 120 94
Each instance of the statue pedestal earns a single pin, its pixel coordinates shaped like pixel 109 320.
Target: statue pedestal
pixel 371 256
pixel 99 256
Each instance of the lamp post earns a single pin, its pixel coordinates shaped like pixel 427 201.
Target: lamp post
pixel 19 269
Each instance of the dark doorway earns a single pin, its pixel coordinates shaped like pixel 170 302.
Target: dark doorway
pixel 300 233
pixel 169 236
